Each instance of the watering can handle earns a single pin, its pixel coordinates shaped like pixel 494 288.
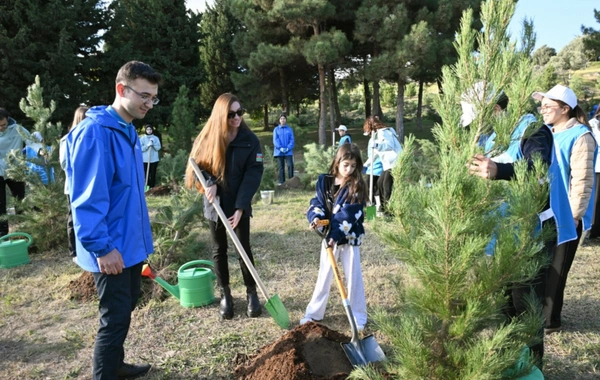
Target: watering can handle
pixel 196 263
pixel 19 234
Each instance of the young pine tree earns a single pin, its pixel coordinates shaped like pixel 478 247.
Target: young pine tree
pixel 449 324
pixel 44 207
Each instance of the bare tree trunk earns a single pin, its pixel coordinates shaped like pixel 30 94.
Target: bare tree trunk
pixel 285 102
pixel 336 104
pixel 420 105
pixel 400 109
pixel 266 117
pixel 376 100
pixel 332 125
pixel 367 91
pixel 322 106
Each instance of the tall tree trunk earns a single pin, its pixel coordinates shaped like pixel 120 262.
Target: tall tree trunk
pixel 420 106
pixel 322 106
pixel 336 104
pixel 400 109
pixel 367 91
pixel 376 100
pixel 332 125
pixel 285 102
pixel 266 117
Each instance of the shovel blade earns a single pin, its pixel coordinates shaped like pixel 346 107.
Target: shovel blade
pixel 363 352
pixel 279 313
pixel 370 212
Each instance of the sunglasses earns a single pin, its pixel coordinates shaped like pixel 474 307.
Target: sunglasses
pixel 240 113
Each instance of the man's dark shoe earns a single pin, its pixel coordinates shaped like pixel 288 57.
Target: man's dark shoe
pixel 132 371
pixel 254 309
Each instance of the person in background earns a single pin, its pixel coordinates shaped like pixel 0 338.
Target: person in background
pixel 283 141
pixel 62 157
pixel 594 123
pixel 150 147
pixel 576 154
pixel 385 148
pixel 12 138
pixel 105 172
pixel 340 198
pixel 344 136
pixel 230 156
pixel 35 154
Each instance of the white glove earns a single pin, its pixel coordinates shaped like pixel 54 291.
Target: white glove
pixel 282 150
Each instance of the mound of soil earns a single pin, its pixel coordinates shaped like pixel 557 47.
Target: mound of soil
pixel 83 288
pixel 159 191
pixel 308 352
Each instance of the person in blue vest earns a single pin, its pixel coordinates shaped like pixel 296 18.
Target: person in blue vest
pixel 12 138
pixel 576 151
pixel 283 142
pixel 35 154
pixel 112 226
pixel 344 136
pixel 525 145
pixel 150 147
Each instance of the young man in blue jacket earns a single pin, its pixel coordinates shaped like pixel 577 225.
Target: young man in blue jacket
pixel 112 226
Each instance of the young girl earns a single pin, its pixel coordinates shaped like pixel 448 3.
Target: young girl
pixel 340 198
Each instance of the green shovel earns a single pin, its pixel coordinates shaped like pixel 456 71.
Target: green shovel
pixel 274 305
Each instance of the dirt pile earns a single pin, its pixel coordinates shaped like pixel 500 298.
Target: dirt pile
pixel 161 190
pixel 83 288
pixel 308 352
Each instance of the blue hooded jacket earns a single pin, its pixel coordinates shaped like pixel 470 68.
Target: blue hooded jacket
pixel 106 185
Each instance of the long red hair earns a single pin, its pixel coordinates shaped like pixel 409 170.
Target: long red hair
pixel 211 143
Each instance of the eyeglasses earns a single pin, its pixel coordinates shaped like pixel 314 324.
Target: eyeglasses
pixel 145 98
pixel 545 108
pixel 240 113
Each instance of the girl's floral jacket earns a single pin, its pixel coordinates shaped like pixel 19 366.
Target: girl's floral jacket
pixel 345 219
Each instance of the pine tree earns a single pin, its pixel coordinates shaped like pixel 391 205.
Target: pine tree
pixel 450 323
pixel 218 28
pixel 183 128
pixel 161 33
pixel 57 40
pixel 45 205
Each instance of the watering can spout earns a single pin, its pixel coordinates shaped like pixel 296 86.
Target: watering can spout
pixel 173 289
pixel 147 271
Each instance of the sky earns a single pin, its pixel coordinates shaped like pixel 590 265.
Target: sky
pixel 556 22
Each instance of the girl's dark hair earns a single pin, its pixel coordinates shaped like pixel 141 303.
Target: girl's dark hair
pixel 356 185
pixel 577 112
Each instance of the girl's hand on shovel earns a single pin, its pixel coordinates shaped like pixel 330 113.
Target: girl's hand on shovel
pixel 235 219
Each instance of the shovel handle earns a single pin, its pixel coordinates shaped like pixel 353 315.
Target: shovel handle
pixel 231 232
pixel 336 273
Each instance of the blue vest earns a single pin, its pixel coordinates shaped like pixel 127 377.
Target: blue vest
pixel 513 152
pixel 561 174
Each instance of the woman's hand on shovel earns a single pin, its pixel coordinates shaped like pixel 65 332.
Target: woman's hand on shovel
pixel 211 193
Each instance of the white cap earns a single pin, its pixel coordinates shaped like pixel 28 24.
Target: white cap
pixel 37 136
pixel 474 96
pixel 341 128
pixel 558 92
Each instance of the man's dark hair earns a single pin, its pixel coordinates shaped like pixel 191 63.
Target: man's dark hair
pixel 133 70
pixel 4 114
pixel 502 101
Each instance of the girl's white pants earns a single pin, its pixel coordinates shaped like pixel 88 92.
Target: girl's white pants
pixel 349 255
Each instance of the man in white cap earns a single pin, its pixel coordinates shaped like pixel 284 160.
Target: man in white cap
pixel 344 136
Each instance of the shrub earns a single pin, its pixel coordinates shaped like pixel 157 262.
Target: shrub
pixel 317 159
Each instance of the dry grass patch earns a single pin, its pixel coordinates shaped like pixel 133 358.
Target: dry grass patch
pixel 45 335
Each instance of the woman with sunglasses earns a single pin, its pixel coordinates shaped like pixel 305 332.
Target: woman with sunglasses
pixel 229 154
pixel 575 148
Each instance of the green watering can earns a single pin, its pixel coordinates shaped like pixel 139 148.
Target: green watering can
pixel 14 252
pixel 195 283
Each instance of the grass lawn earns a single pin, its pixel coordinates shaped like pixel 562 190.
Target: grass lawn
pixel 45 335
